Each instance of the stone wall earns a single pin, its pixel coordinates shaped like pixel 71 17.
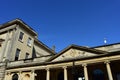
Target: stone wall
pixel 2 71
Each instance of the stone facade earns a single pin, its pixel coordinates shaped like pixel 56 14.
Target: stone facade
pixel 24 57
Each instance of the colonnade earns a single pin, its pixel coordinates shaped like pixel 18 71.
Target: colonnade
pixel 107 63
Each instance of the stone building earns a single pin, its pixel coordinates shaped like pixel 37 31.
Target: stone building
pixel 24 57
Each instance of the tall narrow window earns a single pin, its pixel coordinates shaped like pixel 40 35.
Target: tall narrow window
pixel 27 56
pixel 17 54
pixel 29 41
pixel 21 36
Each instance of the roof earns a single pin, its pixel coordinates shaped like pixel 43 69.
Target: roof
pixel 27 27
pixel 45 46
pixel 87 49
pixel 20 22
pixel 106 45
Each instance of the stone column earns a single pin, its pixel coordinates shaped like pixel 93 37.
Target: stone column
pixel 33 75
pixel 20 76
pixel 85 71
pixel 7 76
pixel 4 46
pixel 48 74
pixel 65 73
pixel 109 70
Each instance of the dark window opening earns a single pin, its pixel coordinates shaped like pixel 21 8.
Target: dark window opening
pixel 21 36
pixel 17 54
pixel 27 55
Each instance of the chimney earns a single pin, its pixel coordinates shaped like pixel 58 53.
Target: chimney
pixel 53 48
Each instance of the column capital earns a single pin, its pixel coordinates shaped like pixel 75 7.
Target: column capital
pixel 84 64
pixel 20 72
pixel 64 67
pixel 7 73
pixel 47 69
pixel 107 61
pixel 32 71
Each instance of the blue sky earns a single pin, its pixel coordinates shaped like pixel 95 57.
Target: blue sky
pixel 65 22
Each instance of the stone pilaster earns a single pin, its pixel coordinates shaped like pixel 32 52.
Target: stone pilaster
pixel 32 75
pixel 20 75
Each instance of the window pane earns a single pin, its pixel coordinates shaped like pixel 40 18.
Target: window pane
pixel 29 42
pixel 17 54
pixel 21 35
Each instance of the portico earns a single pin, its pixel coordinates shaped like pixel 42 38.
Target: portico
pixel 73 63
pixel 89 70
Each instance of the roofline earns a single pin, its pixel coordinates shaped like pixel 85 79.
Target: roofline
pixel 86 48
pixel 106 45
pixel 20 22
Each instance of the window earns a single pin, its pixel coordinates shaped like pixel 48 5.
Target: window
pixel 29 41
pixel 27 56
pixel 21 36
pixel 17 54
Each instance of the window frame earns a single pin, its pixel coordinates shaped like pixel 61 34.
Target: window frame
pixel 29 41
pixel 27 56
pixel 21 36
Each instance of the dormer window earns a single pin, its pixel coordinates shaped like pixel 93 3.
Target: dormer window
pixel 21 36
pixel 29 42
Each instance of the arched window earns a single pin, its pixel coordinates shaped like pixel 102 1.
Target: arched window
pixel 98 74
pixel 15 77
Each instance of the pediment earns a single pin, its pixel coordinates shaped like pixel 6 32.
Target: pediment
pixel 75 52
